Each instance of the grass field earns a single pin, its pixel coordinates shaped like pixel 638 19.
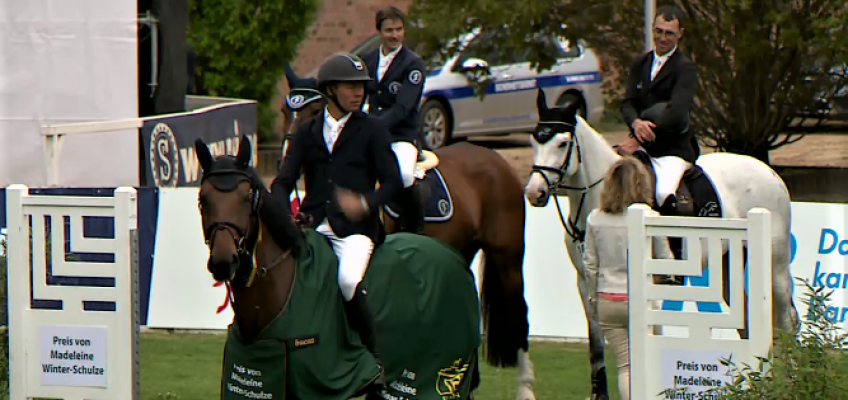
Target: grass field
pixel 188 367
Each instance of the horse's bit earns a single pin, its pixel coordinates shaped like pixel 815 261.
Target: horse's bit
pixel 576 234
pixel 245 255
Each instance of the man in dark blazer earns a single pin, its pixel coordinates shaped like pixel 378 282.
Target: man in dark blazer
pixel 343 153
pixel 659 93
pixel 394 96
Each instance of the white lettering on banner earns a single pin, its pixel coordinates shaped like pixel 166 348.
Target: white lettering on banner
pixel 516 85
pixel 73 356
pixel 691 374
pixel 164 164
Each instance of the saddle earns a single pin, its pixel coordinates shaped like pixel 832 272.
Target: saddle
pixel 696 196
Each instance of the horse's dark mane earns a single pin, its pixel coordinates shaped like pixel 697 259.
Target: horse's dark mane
pixel 276 215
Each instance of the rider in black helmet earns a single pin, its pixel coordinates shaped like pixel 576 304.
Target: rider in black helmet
pixel 344 153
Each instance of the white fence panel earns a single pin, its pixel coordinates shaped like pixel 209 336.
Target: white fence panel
pixel 661 362
pixel 72 353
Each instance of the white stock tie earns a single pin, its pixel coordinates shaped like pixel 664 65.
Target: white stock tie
pixel 657 66
pixel 334 134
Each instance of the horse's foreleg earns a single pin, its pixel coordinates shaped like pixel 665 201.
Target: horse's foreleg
pixel 596 337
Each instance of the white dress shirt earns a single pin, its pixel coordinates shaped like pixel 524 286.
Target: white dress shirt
pixel 659 61
pixel 332 128
pixel 384 61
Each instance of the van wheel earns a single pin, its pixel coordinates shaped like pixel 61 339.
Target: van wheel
pixel 435 125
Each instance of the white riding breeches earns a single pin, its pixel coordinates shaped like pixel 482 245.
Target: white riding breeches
pixel 669 171
pixel 354 254
pixel 407 156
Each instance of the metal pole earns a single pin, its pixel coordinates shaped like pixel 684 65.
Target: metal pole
pixel 650 10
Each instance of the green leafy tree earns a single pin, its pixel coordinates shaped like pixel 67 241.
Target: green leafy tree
pixel 242 44
pixel 761 63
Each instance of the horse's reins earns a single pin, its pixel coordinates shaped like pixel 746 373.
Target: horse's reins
pixel 241 240
pixel 576 234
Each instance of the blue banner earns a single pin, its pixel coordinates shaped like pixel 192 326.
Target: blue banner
pixel 167 143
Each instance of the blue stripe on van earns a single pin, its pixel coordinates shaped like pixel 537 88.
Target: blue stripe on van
pixel 541 82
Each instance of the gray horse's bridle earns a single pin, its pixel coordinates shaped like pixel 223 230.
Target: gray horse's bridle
pixel 570 226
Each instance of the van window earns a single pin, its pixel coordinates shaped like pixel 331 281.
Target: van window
pixel 372 43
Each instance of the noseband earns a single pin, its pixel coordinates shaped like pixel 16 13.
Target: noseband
pixel 248 267
pixel 577 234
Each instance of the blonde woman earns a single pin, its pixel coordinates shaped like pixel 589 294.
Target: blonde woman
pixel 605 256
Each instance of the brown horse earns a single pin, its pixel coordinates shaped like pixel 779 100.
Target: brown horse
pixel 474 200
pixel 290 338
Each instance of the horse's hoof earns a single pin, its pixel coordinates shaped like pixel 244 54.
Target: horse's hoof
pixel 525 393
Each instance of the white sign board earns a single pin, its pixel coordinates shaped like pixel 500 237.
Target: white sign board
pixel 690 366
pixel 73 356
pixel 694 372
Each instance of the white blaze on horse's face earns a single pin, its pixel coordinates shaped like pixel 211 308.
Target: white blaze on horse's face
pixel 552 150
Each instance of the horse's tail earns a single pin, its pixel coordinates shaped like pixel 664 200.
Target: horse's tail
pixel 504 309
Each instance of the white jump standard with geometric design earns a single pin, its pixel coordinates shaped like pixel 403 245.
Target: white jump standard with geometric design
pixel 661 362
pixel 71 353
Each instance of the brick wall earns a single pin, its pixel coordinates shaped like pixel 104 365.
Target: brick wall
pixel 341 25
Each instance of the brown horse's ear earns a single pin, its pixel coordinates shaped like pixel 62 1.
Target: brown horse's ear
pixel 541 102
pixel 243 157
pixel 204 157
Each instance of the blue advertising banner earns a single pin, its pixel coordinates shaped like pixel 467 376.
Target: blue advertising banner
pixel 167 142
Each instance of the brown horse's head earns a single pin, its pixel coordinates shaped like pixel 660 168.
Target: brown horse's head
pixel 229 197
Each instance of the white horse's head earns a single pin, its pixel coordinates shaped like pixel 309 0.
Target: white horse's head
pixel 555 156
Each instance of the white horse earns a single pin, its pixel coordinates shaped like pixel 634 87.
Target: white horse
pixel 569 154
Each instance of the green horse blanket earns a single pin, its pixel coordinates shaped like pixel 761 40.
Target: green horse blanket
pixel 428 328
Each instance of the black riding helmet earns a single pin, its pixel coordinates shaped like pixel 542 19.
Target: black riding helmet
pixel 341 67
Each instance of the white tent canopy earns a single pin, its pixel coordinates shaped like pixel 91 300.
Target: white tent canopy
pixel 68 61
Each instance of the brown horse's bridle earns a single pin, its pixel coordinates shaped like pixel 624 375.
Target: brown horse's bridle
pixel 570 226
pixel 246 252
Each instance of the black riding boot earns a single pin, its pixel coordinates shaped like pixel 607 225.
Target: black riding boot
pixel 361 319
pixel 669 208
pixel 413 210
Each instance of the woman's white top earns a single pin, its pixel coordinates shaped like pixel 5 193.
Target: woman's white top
pixel 605 252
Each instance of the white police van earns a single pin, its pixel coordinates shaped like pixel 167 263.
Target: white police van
pixel 451 110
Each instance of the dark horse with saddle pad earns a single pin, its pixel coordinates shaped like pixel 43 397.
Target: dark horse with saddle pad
pixel 473 200
pixel 290 338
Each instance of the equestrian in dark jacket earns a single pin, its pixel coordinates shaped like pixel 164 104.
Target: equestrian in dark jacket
pixel 344 153
pixel 660 89
pixel 394 95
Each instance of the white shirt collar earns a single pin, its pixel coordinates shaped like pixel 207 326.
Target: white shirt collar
pixel 665 57
pixel 332 122
pixel 391 54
